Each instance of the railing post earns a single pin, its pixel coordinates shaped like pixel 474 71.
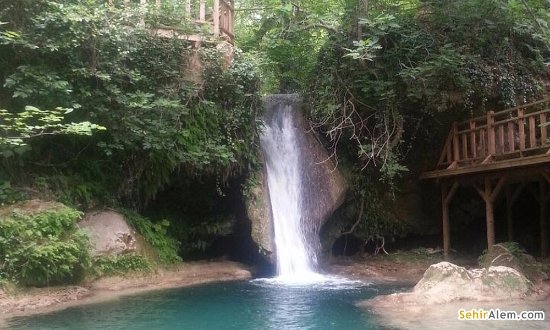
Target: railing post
pixel 202 11
pixel 216 17
pixel 473 143
pixel 521 130
pixel 543 130
pixel 143 5
pixel 491 148
pixel 456 155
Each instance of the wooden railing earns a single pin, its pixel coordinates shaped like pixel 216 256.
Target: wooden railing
pixel 505 135
pixel 218 14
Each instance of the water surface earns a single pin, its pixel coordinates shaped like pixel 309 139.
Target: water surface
pixel 229 305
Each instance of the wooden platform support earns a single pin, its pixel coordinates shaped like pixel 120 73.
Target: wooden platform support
pixel 489 193
pixel 509 147
pixel 544 200
pixel 447 193
pixel 512 195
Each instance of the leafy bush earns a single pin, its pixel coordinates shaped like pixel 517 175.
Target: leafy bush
pixel 42 248
pixel 156 234
pixel 121 264
pixel 512 247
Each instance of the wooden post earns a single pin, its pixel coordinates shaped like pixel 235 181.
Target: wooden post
pixel 143 5
pixel 511 137
pixel 511 197
pixel 489 215
pixel 473 144
pixel 509 216
pixel 521 130
pixel 446 196
pixel 491 133
pixel 216 17
pixel 532 132
pixel 489 194
pixel 456 155
pixel 543 207
pixel 202 11
pixel 543 130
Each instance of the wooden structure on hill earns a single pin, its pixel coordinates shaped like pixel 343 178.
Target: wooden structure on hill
pixel 216 15
pixel 502 150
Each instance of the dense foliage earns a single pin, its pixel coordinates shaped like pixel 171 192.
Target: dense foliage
pixel 101 62
pixel 42 248
pixel 384 88
pixel 391 75
pixel 128 115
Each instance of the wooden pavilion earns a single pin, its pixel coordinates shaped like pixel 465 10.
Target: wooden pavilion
pixel 216 15
pixel 503 150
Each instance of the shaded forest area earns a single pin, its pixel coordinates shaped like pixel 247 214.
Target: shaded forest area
pixel 97 112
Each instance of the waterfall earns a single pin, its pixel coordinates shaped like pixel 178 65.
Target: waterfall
pixel 295 258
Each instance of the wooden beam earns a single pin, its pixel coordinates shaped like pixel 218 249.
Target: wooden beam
pixel 498 165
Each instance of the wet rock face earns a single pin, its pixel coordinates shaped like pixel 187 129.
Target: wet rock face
pixel 323 188
pixel 109 233
pixel 259 212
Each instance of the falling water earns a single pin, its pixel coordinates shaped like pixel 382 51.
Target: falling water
pixel 279 143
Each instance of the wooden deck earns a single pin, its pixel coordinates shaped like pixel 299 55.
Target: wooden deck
pixel 216 15
pixel 513 138
pixel 505 150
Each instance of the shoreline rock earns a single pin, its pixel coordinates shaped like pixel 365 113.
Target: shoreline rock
pixel 445 282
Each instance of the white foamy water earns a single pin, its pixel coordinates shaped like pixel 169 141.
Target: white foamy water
pixel 294 264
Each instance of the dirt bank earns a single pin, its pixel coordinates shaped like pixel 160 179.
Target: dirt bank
pixel 41 300
pixel 401 267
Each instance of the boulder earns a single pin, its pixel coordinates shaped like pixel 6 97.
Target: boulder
pixel 445 282
pixel 110 233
